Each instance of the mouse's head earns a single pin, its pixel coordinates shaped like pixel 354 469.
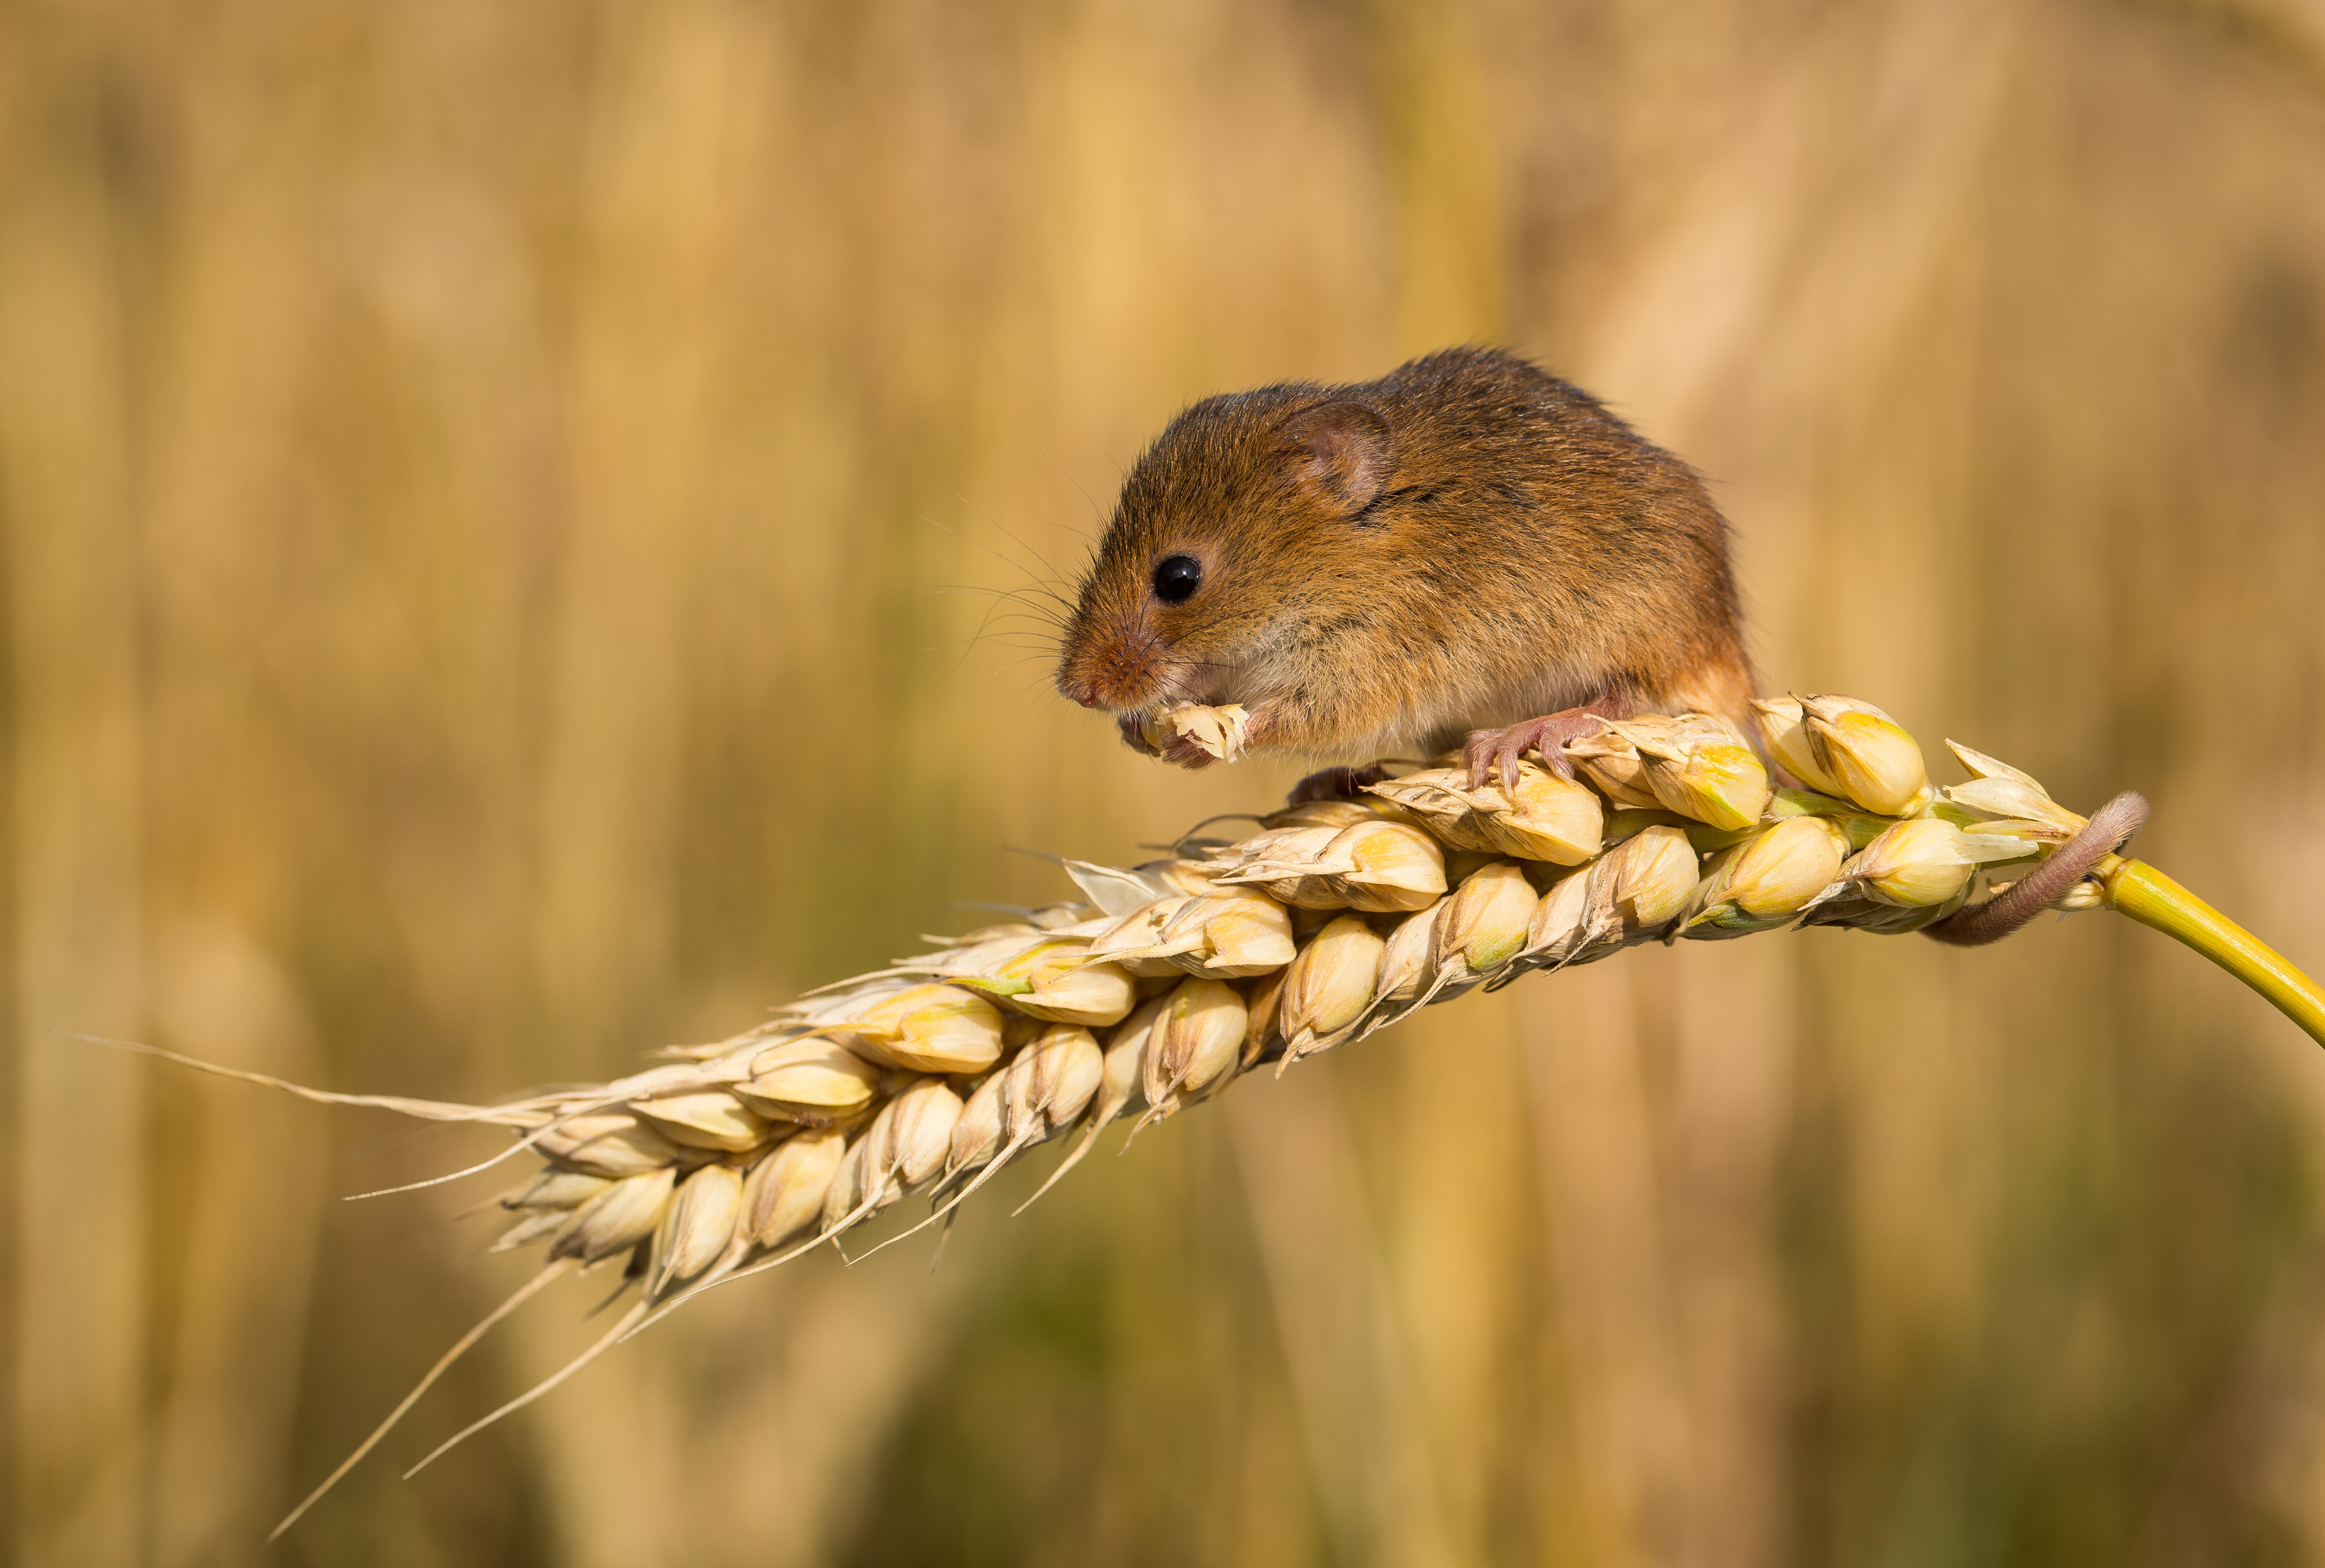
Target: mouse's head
pixel 1235 530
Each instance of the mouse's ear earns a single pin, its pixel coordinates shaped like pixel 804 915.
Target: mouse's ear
pixel 1338 453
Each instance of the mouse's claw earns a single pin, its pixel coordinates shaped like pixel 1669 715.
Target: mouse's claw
pixel 1496 751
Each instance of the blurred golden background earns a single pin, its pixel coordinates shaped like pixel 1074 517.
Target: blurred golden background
pixel 512 515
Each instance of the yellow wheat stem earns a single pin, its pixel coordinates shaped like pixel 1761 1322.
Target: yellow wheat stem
pixel 2139 890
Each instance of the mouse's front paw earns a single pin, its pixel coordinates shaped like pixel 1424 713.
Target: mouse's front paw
pixel 1191 734
pixel 1144 734
pixel 1181 752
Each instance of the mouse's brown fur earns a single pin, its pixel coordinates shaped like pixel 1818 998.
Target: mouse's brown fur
pixel 1463 545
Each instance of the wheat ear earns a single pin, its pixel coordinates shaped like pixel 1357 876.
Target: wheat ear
pixel 1161 984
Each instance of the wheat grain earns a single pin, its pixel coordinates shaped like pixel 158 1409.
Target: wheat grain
pixel 1165 982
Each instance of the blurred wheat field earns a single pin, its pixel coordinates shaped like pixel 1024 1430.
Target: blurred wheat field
pixel 523 530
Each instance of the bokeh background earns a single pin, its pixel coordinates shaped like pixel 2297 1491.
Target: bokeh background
pixel 524 535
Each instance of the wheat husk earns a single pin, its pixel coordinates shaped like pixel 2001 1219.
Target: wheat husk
pixel 1165 981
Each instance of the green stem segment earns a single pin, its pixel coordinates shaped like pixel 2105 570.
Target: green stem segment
pixel 2137 889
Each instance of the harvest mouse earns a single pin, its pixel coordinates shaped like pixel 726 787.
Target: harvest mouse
pixel 1467 548
pixel 1468 551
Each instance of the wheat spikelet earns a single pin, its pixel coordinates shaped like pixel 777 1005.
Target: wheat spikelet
pixel 1164 983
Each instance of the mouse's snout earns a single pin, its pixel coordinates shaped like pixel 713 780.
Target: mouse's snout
pixel 1119 672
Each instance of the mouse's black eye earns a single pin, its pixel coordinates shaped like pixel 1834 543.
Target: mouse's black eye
pixel 1177 579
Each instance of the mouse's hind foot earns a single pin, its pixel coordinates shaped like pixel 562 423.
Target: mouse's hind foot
pixel 1496 751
